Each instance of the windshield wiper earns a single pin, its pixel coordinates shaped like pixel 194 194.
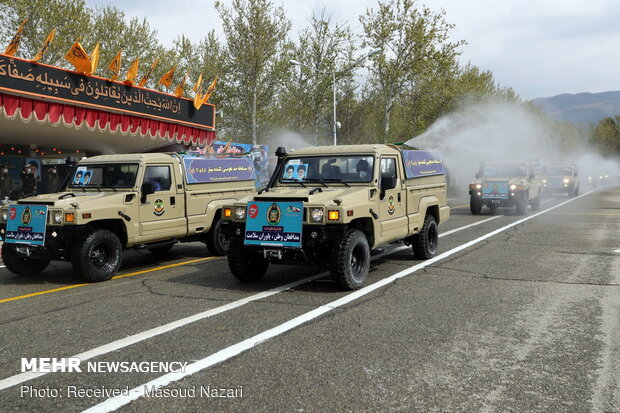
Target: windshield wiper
pixel 339 180
pixel 293 180
pixel 316 180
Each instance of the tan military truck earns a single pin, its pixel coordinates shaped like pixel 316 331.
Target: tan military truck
pixel 331 205
pixel 561 179
pixel 506 184
pixel 113 202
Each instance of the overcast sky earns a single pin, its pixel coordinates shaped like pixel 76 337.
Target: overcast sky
pixel 540 48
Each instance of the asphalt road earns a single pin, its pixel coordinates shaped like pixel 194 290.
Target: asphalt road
pixel 514 315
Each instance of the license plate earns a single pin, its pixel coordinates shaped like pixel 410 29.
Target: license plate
pixel 495 201
pixel 268 253
pixel 23 251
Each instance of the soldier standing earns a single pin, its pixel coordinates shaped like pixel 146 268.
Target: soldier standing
pixel 5 182
pixel 29 182
pixel 51 180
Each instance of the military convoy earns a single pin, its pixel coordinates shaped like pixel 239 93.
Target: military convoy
pixel 561 179
pixel 114 202
pixel 331 205
pixel 506 184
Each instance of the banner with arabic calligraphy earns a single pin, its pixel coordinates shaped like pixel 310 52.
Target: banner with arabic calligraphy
pixel 422 163
pixel 203 170
pixel 23 77
pixel 26 224
pixel 274 224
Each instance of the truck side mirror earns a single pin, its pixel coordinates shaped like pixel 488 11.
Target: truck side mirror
pixel 146 189
pixel 387 182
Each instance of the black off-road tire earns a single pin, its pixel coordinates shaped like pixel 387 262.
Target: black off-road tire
pixel 162 250
pixel 97 255
pixel 425 243
pixel 475 205
pixel 242 265
pixel 536 203
pixel 350 260
pixel 19 265
pixel 575 192
pixel 521 203
pixel 217 241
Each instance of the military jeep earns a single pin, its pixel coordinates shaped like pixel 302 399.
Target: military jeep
pixel 332 205
pixel 506 185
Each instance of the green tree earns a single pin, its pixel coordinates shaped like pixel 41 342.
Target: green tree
pixel 256 40
pixel 412 41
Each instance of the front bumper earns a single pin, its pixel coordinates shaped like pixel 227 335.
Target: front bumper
pixel 316 243
pixel 59 242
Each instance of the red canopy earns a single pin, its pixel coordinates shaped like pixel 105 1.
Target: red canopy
pixel 49 121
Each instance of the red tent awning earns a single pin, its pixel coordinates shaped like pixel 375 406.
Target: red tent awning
pixel 39 113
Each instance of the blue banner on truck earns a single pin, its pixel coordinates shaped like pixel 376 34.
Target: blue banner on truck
pixel 204 170
pixel 277 224
pixel 26 224
pixel 422 163
pixel 495 190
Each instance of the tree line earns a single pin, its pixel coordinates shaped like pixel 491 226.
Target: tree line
pixel 413 78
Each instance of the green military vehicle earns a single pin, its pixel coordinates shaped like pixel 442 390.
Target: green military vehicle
pixel 506 184
pixel 561 179
pixel 113 202
pixel 332 205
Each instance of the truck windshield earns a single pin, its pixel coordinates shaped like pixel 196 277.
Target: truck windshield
pixel 559 171
pixel 119 175
pixel 329 169
pixel 507 170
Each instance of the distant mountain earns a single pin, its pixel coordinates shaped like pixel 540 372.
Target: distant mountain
pixel 581 107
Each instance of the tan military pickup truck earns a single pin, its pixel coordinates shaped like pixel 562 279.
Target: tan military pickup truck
pixel 114 202
pixel 331 205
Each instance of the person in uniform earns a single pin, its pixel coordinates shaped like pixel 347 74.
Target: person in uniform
pixel 29 183
pixel 5 182
pixel 51 180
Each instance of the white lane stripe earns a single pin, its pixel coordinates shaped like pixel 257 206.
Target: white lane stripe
pixel 114 403
pixel 136 338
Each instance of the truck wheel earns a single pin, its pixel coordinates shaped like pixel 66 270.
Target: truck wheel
pixel 97 256
pixel 536 203
pixel 243 266
pixel 350 260
pixel 475 205
pixel 522 202
pixel 217 241
pixel 426 241
pixel 576 193
pixel 19 265
pixel 164 249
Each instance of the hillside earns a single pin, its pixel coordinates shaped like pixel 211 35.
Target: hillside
pixel 581 107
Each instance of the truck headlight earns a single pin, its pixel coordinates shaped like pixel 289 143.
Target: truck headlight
pixel 513 187
pixel 333 215
pixel 227 212
pixel 57 217
pixel 544 181
pixel 5 216
pixel 70 217
pixel 566 180
pixel 478 186
pixel 316 214
pixel 239 213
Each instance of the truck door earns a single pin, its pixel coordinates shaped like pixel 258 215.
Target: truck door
pixel 162 213
pixel 392 201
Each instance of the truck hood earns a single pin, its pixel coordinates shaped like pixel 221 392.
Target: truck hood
pixel 326 196
pixel 82 199
pixel 518 180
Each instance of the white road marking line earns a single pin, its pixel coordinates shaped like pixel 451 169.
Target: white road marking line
pixel 136 338
pixel 114 403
